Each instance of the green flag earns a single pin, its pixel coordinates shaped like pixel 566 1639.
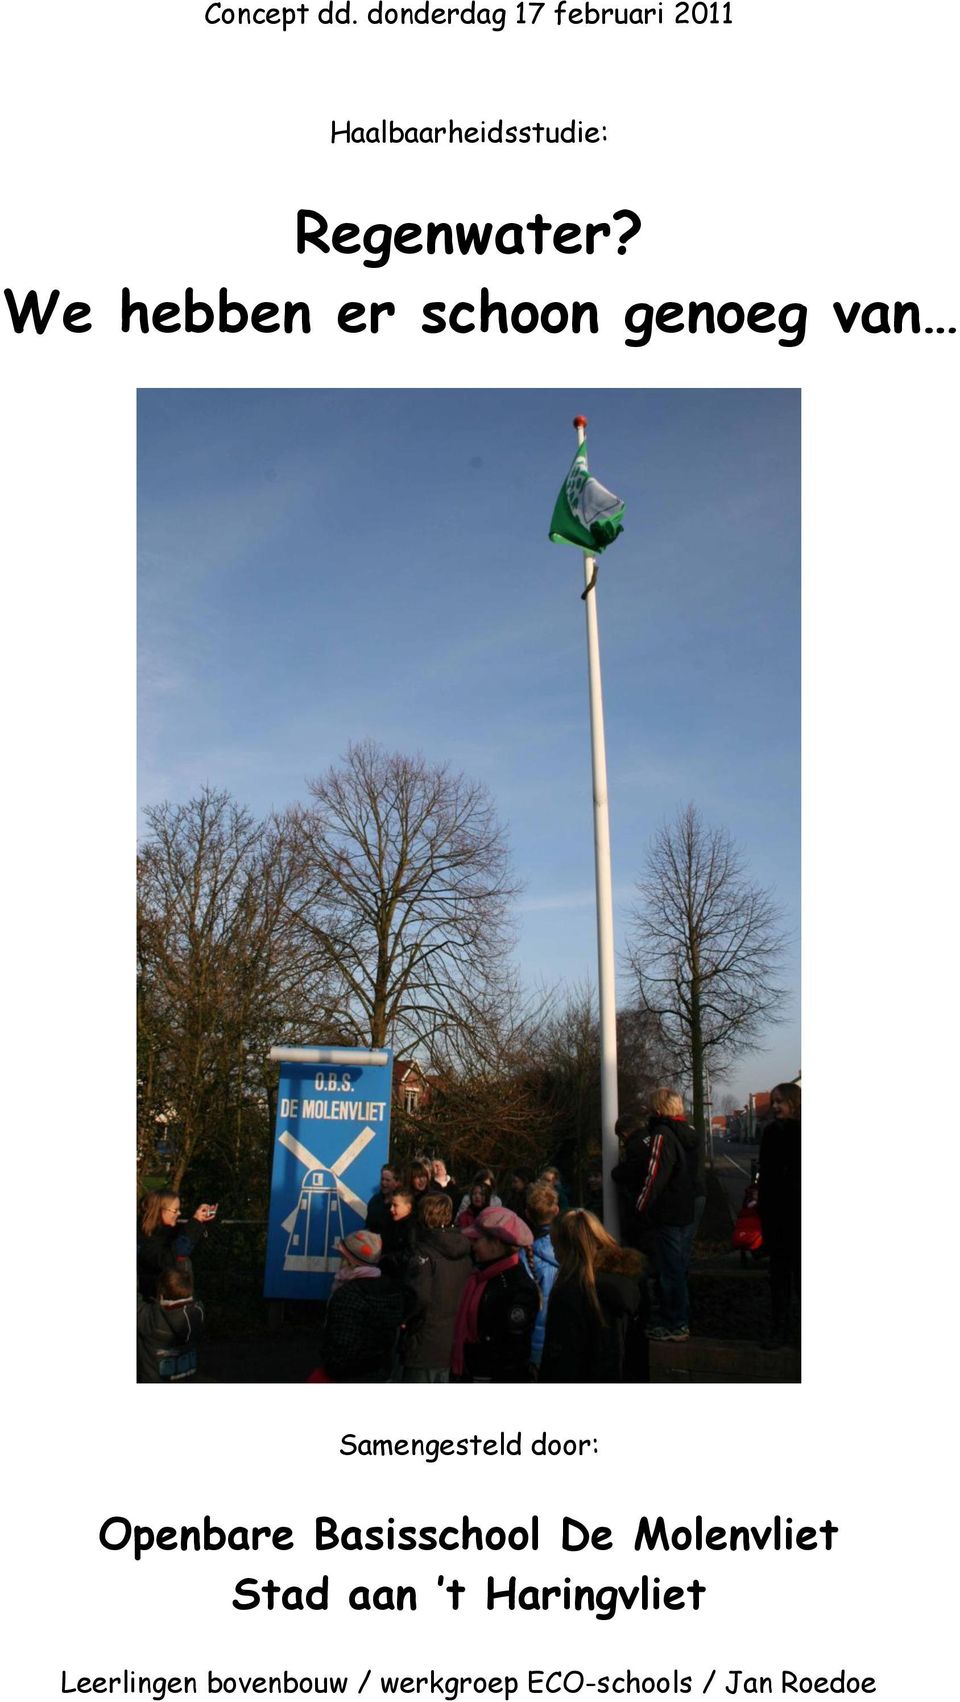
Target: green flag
pixel 585 514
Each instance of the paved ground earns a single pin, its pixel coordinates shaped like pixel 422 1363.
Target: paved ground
pixel 291 1355
pixel 705 1360
pixel 729 1300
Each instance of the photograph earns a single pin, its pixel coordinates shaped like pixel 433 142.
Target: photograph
pixel 468 932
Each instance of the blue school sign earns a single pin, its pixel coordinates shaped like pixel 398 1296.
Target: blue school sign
pixel 333 1133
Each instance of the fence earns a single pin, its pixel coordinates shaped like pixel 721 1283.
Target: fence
pixel 229 1274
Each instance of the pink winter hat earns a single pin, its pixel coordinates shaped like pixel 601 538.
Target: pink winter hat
pixel 503 1225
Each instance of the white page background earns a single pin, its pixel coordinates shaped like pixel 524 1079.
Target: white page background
pixel 805 153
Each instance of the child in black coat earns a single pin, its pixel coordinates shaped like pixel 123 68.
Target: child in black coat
pixel 364 1315
pixel 169 1328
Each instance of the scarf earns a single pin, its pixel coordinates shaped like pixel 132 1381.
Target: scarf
pixel 346 1273
pixel 467 1326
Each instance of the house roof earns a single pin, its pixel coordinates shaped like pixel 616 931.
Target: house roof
pixel 405 1067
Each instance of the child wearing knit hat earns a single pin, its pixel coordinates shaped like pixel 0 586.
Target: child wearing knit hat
pixel 364 1314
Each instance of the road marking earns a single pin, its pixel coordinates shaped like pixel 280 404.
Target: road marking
pixel 736 1166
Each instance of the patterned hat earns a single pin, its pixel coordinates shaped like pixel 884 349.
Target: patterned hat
pixel 362 1245
pixel 503 1225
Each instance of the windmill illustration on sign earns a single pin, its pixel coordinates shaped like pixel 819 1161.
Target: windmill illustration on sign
pixel 316 1223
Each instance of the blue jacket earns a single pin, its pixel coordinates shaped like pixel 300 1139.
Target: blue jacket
pixel 541 1262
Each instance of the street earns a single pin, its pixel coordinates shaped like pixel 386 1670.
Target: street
pixel 734 1165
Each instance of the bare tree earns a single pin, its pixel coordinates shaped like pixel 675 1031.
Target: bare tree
pixel 404 884
pixel 572 1063
pixel 486 1104
pixel 644 1060
pixel 705 948
pixel 521 1084
pixel 218 976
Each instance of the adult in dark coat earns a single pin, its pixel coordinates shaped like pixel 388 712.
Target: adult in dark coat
pixel 515 1193
pixel 436 1275
pixel 163 1241
pixel 629 1176
pixel 662 1166
pixel 778 1202
pixel 420 1178
pixel 597 1315
pixel 442 1183
pixel 378 1205
pixel 499 1304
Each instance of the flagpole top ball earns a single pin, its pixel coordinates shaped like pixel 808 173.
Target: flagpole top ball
pixel 579 421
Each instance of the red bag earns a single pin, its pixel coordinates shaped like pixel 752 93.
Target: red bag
pixel 748 1230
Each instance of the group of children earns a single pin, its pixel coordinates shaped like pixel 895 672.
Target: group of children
pixel 443 1302
pixel 421 1298
pixel 499 1297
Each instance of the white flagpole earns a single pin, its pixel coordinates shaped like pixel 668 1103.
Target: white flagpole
pixel 601 844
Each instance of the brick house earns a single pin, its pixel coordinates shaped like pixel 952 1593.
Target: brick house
pixel 412 1087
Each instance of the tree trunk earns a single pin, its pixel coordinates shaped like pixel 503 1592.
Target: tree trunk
pixel 696 1054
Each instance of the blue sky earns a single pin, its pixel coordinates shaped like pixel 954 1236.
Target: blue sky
pixel 318 567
